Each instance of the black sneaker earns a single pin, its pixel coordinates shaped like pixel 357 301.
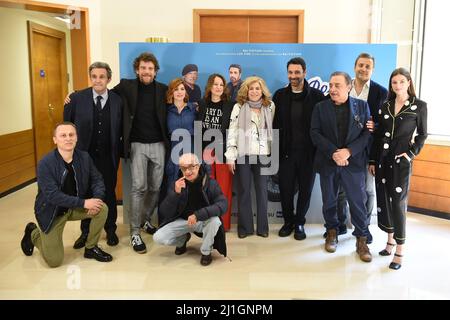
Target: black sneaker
pixel 26 243
pixel 138 244
pixel 206 259
pixel 149 228
pixel 97 254
pixel 183 249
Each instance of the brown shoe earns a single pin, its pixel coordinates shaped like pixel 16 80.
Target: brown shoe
pixel 331 241
pixel 362 249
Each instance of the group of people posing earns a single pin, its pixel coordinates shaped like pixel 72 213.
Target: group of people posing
pixel 361 139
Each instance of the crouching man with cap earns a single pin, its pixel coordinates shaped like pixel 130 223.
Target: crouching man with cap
pixel 194 204
pixel 69 188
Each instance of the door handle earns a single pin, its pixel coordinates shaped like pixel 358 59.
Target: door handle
pixel 50 111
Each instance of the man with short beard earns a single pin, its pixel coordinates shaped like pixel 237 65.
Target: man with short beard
pixel 235 72
pixel 145 142
pixel 294 105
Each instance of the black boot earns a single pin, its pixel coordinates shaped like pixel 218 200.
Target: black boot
pixel 97 254
pixel 286 230
pixel 299 233
pixel 183 248
pixel 26 243
pixel 81 241
pixel 111 239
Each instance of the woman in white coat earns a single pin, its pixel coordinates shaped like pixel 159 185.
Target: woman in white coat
pixel 249 141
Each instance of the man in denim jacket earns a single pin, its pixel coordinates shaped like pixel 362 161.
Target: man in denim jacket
pixel 69 188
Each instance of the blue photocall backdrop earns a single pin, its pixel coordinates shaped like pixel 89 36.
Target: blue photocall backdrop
pixel 266 60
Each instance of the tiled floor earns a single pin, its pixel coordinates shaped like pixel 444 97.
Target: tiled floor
pixel 258 268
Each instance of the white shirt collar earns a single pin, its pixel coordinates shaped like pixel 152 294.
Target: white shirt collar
pixel 364 94
pixel 104 96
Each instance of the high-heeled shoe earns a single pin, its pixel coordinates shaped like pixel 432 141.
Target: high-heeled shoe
pixel 384 252
pixel 395 265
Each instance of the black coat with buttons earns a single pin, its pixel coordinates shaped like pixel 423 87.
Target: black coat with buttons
pixel 80 111
pixel 394 134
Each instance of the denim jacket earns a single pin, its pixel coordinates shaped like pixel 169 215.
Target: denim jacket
pixel 51 174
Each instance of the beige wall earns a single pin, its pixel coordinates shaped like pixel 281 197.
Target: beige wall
pixel 94 7
pixel 326 21
pixel 15 97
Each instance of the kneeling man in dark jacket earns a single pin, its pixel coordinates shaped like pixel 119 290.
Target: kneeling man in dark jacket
pixel 69 188
pixel 194 204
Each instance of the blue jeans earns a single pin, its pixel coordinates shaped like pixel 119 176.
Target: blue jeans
pixel 174 233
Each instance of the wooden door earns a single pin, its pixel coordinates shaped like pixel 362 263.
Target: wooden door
pixel 252 26
pixel 49 79
pixel 223 29
pixel 273 29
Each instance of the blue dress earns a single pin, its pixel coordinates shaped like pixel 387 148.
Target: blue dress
pixel 184 120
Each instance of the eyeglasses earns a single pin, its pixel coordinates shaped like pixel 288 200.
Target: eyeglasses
pixel 192 167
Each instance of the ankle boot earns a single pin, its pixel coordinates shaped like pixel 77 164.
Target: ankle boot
pixel 362 249
pixel 331 240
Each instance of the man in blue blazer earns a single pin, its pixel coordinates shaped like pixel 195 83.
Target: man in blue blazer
pixel 363 88
pixel 338 130
pixel 97 114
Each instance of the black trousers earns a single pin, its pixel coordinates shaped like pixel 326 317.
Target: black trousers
pixel 296 172
pixel 105 166
pixel 392 185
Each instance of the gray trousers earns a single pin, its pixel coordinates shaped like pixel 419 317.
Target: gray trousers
pixel 244 173
pixel 147 169
pixel 174 233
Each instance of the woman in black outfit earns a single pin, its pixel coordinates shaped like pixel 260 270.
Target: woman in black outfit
pixel 391 156
pixel 214 113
